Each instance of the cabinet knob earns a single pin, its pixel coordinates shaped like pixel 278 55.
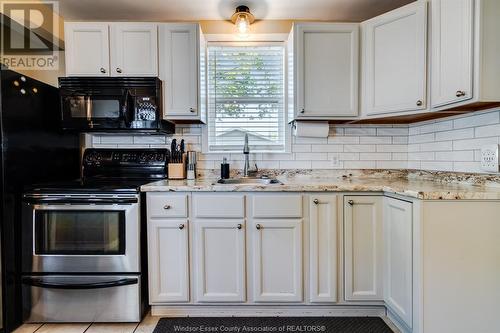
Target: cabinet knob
pixel 103 70
pixel 460 93
pixel 181 226
pixel 316 201
pixel 239 226
pixel 350 202
pixel 167 207
pixel 258 226
pixel 192 110
pixel 419 103
pixel 302 110
pixel 118 70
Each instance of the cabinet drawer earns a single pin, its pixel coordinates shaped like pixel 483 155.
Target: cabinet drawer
pixel 219 205
pixel 282 205
pixel 167 205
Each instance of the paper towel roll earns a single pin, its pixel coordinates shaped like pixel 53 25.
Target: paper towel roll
pixel 311 129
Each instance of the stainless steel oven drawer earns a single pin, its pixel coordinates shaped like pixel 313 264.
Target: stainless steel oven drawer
pixel 81 298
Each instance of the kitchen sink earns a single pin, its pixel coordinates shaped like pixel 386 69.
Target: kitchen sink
pixel 249 181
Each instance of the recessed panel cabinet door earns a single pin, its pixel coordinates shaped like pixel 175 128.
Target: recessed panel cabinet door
pixel 363 248
pixel 87 49
pixel 323 247
pixel 179 48
pixel 452 51
pixel 327 69
pixel 277 260
pixel 219 247
pixel 395 53
pixel 168 260
pixel 398 256
pixel 134 49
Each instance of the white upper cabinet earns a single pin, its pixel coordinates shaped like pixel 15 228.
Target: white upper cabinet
pixel 394 61
pixel 464 55
pixel 86 48
pixel 181 45
pixel 326 57
pixel 398 258
pixel 363 243
pixel 134 49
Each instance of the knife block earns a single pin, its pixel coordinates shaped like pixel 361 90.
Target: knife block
pixel 176 171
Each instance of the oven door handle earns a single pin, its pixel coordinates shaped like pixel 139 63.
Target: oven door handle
pixel 39 282
pixel 76 201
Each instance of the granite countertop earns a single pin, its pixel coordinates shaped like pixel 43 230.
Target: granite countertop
pixel 419 185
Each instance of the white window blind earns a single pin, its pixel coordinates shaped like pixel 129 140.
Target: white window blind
pixel 246 95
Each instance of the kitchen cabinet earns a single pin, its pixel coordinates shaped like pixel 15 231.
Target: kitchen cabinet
pixel 394 61
pixel 168 260
pixel 464 53
pixel 325 58
pixel 398 258
pixel 219 251
pixel 182 59
pixel 134 49
pixel 363 248
pixel 111 49
pixel 277 260
pixel 323 248
pixel 86 48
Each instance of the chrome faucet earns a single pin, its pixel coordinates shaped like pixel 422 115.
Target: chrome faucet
pixel 246 152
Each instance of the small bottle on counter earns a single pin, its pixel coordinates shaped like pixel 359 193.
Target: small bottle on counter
pixel 224 169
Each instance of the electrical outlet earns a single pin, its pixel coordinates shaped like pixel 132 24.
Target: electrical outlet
pixel 336 163
pixel 489 158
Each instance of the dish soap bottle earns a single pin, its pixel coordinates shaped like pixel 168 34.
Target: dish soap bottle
pixel 224 169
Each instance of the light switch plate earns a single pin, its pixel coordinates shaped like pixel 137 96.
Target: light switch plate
pixel 489 158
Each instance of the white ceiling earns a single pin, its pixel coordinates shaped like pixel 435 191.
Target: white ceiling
pixel 172 10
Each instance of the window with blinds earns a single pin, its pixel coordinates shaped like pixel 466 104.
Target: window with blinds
pixel 246 96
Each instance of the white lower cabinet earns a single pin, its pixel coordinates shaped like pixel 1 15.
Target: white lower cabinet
pixel 363 248
pixel 219 254
pixel 277 260
pixel 323 248
pixel 168 260
pixel 398 254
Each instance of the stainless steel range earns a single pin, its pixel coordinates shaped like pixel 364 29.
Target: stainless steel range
pixel 81 244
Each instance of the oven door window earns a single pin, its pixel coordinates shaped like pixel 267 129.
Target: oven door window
pixel 69 232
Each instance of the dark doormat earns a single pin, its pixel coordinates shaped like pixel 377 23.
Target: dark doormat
pixel 273 325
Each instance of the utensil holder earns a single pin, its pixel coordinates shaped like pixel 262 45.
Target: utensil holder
pixel 176 171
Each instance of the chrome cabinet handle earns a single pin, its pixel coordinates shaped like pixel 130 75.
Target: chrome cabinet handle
pixel 192 110
pixel 350 202
pixel 316 201
pixel 460 93
pixel 119 70
pixel 181 226
pixel 103 70
pixel 419 103
pixel 239 226
pixel 258 226
pixel 167 207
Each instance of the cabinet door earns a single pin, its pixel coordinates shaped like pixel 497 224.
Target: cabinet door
pixel 452 47
pixel 323 247
pixel 179 69
pixel 398 256
pixel 134 49
pixel 327 56
pixel 277 260
pixel 363 248
pixel 168 260
pixel 219 248
pixel 395 56
pixel 87 49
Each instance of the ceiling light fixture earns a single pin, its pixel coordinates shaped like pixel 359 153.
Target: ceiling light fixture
pixel 242 18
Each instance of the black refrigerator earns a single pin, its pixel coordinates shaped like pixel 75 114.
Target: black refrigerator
pixel 34 150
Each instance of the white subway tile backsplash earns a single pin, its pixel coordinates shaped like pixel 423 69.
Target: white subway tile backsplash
pixel 447 144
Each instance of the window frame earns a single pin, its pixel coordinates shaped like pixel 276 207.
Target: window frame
pixel 263 40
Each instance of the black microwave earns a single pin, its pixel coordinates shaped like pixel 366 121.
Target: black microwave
pixel 112 104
